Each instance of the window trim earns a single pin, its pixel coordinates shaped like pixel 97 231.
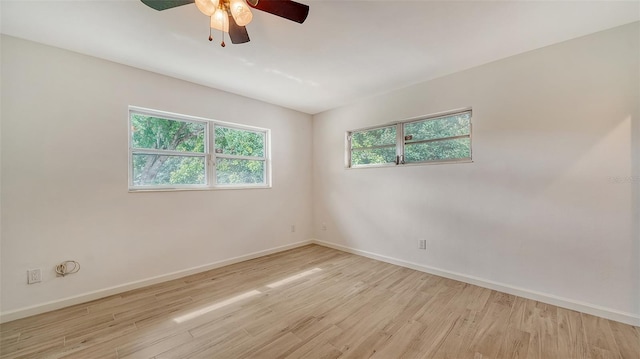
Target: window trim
pixel 400 142
pixel 209 153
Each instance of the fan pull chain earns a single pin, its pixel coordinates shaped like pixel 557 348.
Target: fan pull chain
pixel 223 44
pixel 210 35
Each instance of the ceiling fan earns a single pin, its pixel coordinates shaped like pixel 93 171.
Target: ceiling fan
pixel 231 16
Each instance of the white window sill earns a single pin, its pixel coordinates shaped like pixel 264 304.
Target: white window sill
pixel 217 188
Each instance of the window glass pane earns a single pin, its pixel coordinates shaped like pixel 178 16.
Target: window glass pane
pixel 163 134
pixel 231 141
pixel 150 170
pixel 373 156
pixel 235 171
pixel 375 137
pixel 456 125
pixel 438 150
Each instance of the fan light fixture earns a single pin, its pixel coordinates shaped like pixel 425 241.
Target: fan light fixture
pixel 231 16
pixel 219 11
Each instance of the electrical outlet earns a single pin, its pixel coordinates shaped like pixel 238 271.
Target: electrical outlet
pixel 422 244
pixel 34 276
pixel 293 228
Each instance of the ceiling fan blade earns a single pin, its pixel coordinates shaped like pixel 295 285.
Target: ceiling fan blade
pixel 238 34
pixel 166 4
pixel 287 9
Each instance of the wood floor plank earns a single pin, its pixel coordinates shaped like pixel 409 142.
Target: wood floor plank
pixel 272 349
pixel 316 302
pixel 600 338
pixel 36 349
pixel 627 340
pixel 542 325
pixel 99 351
pixel 315 346
pixel 515 344
pixel 491 328
pixel 400 341
pixel 451 346
pixel 571 336
pixel 151 349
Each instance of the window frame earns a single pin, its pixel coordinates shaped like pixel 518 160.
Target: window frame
pixel 370 165
pixel 209 154
pixel 266 158
pixel 400 141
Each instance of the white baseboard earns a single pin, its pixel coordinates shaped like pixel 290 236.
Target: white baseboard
pixel 627 318
pixel 101 293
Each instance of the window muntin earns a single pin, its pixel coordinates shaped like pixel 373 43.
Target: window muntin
pixel 374 138
pixel 438 150
pixel 443 138
pixel 169 151
pixel 373 147
pixel 240 156
pixel 438 128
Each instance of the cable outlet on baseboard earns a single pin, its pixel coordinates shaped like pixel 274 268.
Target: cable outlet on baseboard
pixel 422 244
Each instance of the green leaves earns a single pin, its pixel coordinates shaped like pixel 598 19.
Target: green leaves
pixel 375 137
pixel 168 152
pixel 237 142
pixel 236 171
pixel 154 133
pixel 376 146
pixel 231 141
pixel 374 156
pixel 163 134
pixel 457 125
pixel 435 139
pixel 438 150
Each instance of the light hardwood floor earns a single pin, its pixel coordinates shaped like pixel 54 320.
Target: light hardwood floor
pixel 316 302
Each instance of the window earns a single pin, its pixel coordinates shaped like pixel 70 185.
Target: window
pixel 240 156
pixel 438 139
pixel 169 151
pixel 373 147
pixel 442 138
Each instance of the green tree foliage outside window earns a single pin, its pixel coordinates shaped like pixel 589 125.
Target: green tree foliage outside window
pixel 371 147
pixel 234 171
pixel 173 152
pixel 439 139
pixel 154 133
pixel 237 142
pixel 446 138
pixel 245 164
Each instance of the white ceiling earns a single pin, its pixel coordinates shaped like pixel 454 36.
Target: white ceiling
pixel 346 50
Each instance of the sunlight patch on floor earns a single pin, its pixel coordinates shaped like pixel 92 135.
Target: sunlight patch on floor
pixel 215 306
pixel 239 297
pixel 293 278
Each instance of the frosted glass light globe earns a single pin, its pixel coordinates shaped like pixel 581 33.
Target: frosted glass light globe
pixel 240 12
pixel 207 7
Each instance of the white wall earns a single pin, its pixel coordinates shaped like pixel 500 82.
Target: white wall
pixel 64 178
pixel 550 205
pixel 548 208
